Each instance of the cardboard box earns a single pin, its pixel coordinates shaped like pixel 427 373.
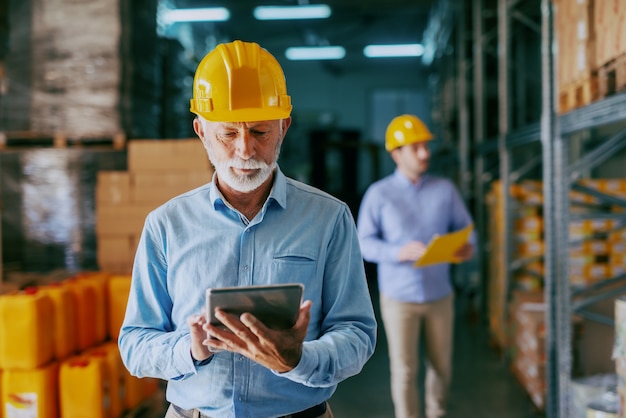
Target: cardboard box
pixel 167 155
pixel 116 249
pixel 184 180
pixel 152 187
pixel 576 39
pixel 529 224
pixel 596 343
pixel 121 219
pixel 609 18
pixel 112 188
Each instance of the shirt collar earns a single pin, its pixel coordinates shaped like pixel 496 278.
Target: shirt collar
pixel 278 192
pixel 406 182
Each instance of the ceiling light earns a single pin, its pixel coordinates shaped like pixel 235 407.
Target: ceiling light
pixel 315 53
pixel 208 14
pixel 401 50
pixel 309 11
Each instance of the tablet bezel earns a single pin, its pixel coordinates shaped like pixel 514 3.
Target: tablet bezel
pixel 276 305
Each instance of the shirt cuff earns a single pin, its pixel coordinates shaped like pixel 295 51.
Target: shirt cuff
pixel 200 363
pixel 305 367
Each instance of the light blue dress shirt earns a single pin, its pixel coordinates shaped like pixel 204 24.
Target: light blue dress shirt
pixel 196 241
pixel 395 211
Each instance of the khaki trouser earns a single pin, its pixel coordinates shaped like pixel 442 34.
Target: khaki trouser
pixel 403 323
pixel 171 413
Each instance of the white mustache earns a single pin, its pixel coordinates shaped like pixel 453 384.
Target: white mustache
pixel 247 164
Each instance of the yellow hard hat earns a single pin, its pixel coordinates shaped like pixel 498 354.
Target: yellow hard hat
pixel 405 130
pixel 240 82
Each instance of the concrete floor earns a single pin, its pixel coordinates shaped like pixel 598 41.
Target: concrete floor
pixel 482 385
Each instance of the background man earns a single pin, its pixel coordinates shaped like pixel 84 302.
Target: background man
pixel 398 216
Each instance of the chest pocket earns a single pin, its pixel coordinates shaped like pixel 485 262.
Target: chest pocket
pixel 288 269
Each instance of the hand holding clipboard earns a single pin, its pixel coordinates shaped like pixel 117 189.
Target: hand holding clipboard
pixel 441 248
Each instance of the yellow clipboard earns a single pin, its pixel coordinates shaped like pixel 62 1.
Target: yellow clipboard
pixel 441 248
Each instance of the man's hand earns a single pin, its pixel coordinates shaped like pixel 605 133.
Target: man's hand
pixel 412 251
pixel 277 350
pixel 198 350
pixel 464 253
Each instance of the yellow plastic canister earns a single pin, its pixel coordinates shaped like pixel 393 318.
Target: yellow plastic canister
pixel 98 282
pixel 84 387
pixel 30 393
pixel 110 353
pixel 26 329
pixel 118 289
pixel 133 390
pixel 64 319
pixel 85 303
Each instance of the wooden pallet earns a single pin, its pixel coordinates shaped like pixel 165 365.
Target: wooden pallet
pixel 612 77
pixel 579 93
pixel 21 139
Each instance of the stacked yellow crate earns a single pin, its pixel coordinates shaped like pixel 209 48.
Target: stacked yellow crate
pixel 599 254
pixel 601 249
pixel 157 171
pixel 527 243
pixel 527 234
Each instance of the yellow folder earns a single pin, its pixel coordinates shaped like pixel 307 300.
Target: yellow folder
pixel 441 248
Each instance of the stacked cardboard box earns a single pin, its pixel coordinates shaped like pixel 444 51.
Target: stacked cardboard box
pixel 600 249
pixel 596 254
pixel 592 345
pixel 526 243
pixel 591 52
pixel 158 170
pixel 72 49
pixel 599 244
pixel 610 24
pixel 576 54
pixel 529 332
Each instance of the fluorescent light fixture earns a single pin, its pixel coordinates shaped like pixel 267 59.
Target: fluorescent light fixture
pixel 308 11
pixel 298 53
pixel 208 14
pixel 401 50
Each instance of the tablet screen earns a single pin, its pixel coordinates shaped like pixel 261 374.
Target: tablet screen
pixel 277 306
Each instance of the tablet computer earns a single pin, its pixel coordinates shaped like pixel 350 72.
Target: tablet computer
pixel 277 306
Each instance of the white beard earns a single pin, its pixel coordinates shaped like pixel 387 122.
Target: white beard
pixel 242 183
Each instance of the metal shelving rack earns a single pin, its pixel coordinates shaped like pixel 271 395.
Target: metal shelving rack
pixel 554 133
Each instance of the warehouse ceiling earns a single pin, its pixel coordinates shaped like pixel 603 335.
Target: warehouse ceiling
pixel 353 24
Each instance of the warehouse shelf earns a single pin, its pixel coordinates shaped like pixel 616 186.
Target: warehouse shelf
pixel 536 145
pixel 525 135
pixel 560 175
pixel 604 112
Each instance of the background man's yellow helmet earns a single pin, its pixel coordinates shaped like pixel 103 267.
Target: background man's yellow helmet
pixel 405 130
pixel 240 82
